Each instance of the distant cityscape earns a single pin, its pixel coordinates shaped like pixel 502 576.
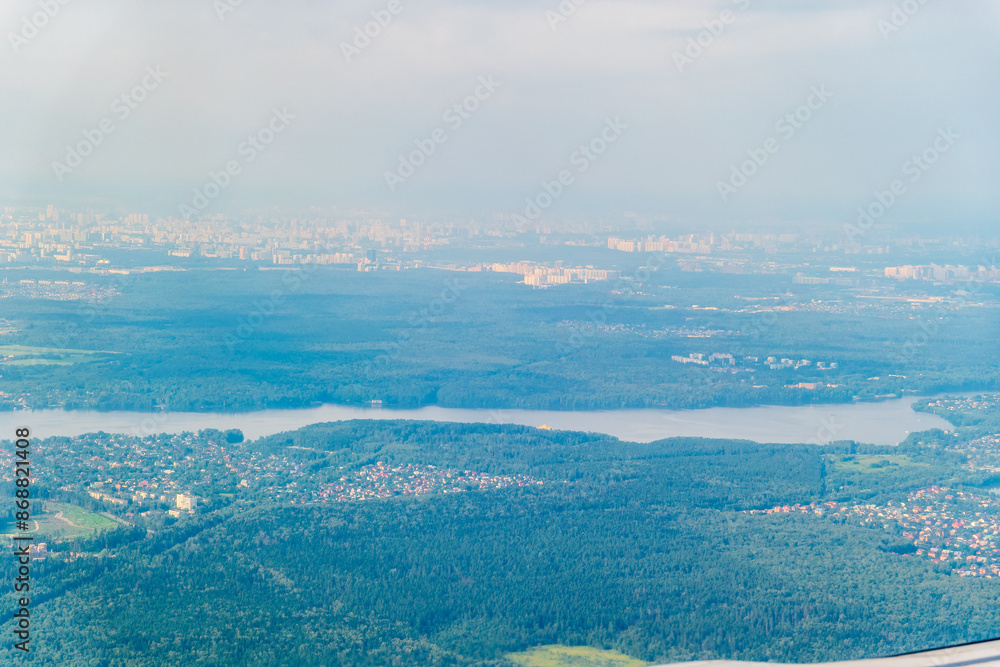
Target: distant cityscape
pixel 100 243
pixel 945 273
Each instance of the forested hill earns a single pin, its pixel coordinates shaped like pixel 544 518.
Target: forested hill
pixel 454 544
pixel 754 474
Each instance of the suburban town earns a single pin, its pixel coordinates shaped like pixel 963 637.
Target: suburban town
pixel 952 527
pixel 957 528
pixel 150 476
pixel 384 481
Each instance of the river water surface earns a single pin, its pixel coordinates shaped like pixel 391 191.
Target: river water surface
pixel 886 422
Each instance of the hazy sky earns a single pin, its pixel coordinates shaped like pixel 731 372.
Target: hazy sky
pixel 684 122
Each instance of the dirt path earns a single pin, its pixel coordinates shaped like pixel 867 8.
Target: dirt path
pixel 62 518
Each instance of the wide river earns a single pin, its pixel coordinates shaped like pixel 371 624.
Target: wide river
pixel 886 422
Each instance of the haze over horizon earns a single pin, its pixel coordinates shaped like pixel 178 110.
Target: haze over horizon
pixel 685 118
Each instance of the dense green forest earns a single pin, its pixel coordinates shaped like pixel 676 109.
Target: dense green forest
pixel 645 548
pixel 242 340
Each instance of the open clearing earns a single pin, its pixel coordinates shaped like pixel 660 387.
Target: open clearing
pixel 61 521
pixel 556 655
pixel 23 355
pixel 876 463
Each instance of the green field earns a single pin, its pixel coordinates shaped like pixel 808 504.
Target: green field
pixel 22 355
pixel 60 521
pixel 556 655
pixel 876 463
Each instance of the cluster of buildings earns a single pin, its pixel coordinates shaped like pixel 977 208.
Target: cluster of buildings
pixel 944 274
pixel 54 290
pixel 802 279
pixel 363 241
pixel 946 526
pixel 982 403
pixel 662 332
pixel 167 472
pixel 775 363
pixel 39 551
pixel 687 332
pixel 700 359
pixel 726 360
pixel 86 238
pixel 958 528
pixel 12 402
pixel 173 474
pixel 147 494
pixel 185 503
pixel 358 240
pixel 384 481
pixel 537 275
pixel 686 244
pixel 981 454
pixel 707 243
